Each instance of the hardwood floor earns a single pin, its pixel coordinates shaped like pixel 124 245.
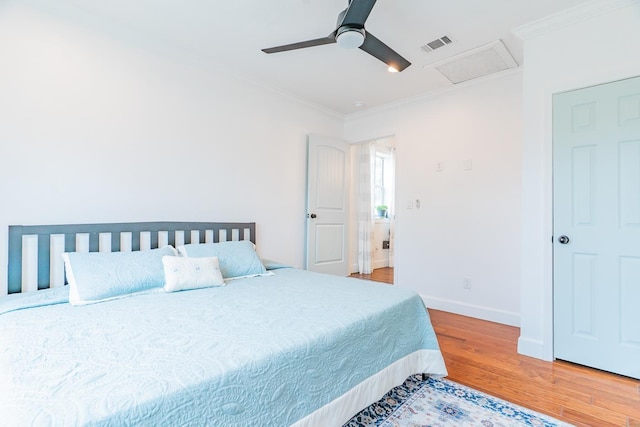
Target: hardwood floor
pixel 483 355
pixel 378 275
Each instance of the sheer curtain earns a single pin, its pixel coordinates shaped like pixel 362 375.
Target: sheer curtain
pixel 366 158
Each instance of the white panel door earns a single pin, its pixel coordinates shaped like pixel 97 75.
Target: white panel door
pixel 596 254
pixel 327 205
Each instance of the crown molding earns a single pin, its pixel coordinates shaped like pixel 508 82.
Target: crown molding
pixel 570 16
pixel 425 96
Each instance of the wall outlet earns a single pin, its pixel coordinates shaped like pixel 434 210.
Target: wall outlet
pixel 466 283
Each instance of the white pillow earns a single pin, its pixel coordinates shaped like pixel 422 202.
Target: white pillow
pixel 191 273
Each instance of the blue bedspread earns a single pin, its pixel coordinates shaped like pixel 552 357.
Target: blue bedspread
pixel 263 351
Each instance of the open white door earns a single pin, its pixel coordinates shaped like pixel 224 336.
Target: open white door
pixel 327 205
pixel 596 255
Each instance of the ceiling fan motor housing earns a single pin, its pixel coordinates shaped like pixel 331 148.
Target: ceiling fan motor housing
pixel 350 37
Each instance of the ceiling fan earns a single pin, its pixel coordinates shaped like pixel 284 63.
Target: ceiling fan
pixel 350 33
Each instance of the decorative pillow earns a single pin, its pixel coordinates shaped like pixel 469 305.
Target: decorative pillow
pixel 181 273
pixel 101 276
pixel 237 258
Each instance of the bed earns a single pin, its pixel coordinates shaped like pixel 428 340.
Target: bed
pixel 276 346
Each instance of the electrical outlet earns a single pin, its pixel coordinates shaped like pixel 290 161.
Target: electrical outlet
pixel 466 283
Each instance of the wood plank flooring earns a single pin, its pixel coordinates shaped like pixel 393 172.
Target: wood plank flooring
pixel 379 275
pixel 483 355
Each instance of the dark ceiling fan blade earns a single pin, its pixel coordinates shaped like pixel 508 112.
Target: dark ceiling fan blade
pixel 301 45
pixel 384 53
pixel 357 13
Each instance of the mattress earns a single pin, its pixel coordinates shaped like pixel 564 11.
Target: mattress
pixel 295 347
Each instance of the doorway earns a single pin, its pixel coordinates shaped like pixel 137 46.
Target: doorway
pixel 372 217
pixel 596 199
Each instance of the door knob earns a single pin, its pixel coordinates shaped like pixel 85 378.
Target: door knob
pixel 563 240
pixel 313 216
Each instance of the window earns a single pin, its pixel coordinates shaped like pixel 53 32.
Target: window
pixel 382 182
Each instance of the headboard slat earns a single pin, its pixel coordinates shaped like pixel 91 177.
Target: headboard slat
pixel 70 242
pixel 115 242
pixel 90 236
pixel 94 242
pixel 154 239
pixel 15 262
pixel 172 238
pixel 44 261
pixel 135 240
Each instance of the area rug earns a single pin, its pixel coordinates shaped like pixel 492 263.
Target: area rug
pixel 434 402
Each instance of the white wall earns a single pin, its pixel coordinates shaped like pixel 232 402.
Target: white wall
pixel 561 54
pixel 93 129
pixel 468 224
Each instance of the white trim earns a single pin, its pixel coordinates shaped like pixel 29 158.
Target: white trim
pixel 472 310
pixel 533 348
pixel 393 106
pixel 569 16
pixel 354 268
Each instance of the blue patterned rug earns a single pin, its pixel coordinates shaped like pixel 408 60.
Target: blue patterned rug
pixel 437 402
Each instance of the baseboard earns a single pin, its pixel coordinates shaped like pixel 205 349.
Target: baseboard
pixel 380 263
pixel 533 348
pixel 479 312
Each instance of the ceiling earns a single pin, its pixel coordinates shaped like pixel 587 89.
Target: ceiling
pixel 230 34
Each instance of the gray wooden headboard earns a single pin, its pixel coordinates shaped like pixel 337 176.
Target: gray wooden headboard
pixel 34 250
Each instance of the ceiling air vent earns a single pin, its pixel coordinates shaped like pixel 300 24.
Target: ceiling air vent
pixel 435 44
pixel 475 63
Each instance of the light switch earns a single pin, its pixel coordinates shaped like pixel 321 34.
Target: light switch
pixel 410 204
pixel 468 164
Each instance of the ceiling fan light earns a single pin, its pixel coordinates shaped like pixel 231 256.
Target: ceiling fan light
pixel 350 38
